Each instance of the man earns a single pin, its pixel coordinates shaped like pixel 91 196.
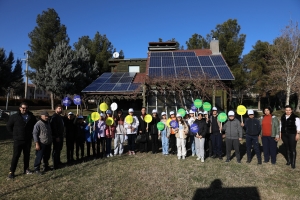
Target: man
pixel 290 130
pixel 131 130
pixel 253 129
pixel 233 134
pixel 70 125
pixel 57 127
pixel 215 134
pixel 42 136
pixel 142 129
pixel 172 135
pixel 21 125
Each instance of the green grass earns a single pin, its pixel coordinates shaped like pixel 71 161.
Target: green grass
pixel 148 176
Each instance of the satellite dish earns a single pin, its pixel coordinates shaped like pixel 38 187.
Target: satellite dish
pixel 116 55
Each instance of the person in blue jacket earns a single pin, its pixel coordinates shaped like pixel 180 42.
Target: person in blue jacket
pixel 81 129
pixel 253 128
pixel 90 139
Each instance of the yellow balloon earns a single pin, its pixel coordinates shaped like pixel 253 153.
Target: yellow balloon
pixel 103 107
pixel 109 121
pixel 95 116
pixel 129 119
pixel 241 110
pixel 168 122
pixel 148 118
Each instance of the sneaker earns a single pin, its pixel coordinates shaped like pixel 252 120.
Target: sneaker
pixel 107 156
pixel 227 161
pixel 38 172
pixel 248 161
pixel 129 153
pixel 202 159
pixel 239 162
pixel 11 176
pixel 214 156
pixel 27 171
pixel 183 157
pixel 259 162
pixel 198 158
pixel 133 153
pixel 193 154
pixel 220 158
pixel 47 168
pixel 111 155
pixel 179 157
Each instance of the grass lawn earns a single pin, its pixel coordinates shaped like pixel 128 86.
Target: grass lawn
pixel 151 176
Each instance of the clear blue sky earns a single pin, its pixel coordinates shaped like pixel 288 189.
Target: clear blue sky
pixel 131 24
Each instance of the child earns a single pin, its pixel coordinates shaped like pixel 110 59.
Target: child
pixel 181 134
pixel 165 135
pixel 109 134
pixel 100 134
pixel 90 140
pixel 81 127
pixel 233 134
pixel 120 134
pixel 200 136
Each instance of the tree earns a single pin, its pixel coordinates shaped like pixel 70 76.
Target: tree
pixel 121 55
pixel 10 76
pixel 43 39
pixel 197 42
pixel 285 52
pixel 178 47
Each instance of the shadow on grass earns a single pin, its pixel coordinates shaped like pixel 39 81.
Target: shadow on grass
pixel 216 191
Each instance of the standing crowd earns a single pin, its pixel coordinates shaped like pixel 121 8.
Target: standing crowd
pixel 48 135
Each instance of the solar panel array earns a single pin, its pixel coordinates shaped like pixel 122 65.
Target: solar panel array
pixel 113 82
pixel 188 65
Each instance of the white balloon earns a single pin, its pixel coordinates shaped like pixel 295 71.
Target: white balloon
pixel 114 106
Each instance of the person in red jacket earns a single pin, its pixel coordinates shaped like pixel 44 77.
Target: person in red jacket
pixel 109 134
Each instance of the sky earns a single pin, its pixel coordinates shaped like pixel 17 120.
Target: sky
pixel 131 24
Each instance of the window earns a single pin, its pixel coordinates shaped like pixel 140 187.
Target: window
pixel 135 69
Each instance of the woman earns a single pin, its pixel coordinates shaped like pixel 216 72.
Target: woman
pixel 100 134
pixel 208 146
pixel 269 135
pixel 109 134
pixel 200 136
pixel 120 134
pixel 181 134
pixel 172 134
pixel 165 135
pixel 290 130
pixel 154 131
pixel 190 121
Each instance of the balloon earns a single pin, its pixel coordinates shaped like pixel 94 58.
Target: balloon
pixel 67 101
pixel 191 121
pixel 222 117
pixel 89 119
pixel 160 126
pixel 206 106
pixel 198 103
pixel 95 116
pixel 194 108
pixel 194 128
pixel 174 124
pixel 181 111
pixel 129 119
pixel 241 110
pixel 148 118
pixel 109 121
pixel 168 122
pixel 77 100
pixel 114 106
pixel 103 107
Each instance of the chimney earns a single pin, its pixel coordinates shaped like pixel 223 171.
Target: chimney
pixel 214 46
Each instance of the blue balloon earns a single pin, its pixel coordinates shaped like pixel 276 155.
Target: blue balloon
pixel 194 108
pixel 194 128
pixel 67 101
pixel 174 124
pixel 77 100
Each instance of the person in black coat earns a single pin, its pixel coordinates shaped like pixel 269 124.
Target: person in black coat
pixel 57 127
pixel 142 130
pixel 200 136
pixel 21 126
pixel 69 122
pixel 153 130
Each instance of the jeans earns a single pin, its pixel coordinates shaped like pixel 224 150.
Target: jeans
pixel 57 147
pixel 20 146
pixel 252 140
pixel 164 142
pixel 44 153
pixel 181 148
pixel 199 143
pixel 216 140
pixel 236 145
pixel 108 145
pixel 269 148
pixel 118 144
pixel 192 141
pixel 131 142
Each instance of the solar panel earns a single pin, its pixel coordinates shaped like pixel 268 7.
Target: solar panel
pixel 100 80
pixel 107 87
pixel 192 61
pixel 113 80
pixel 133 86
pixel 155 62
pixel 187 53
pixel 121 87
pixel 196 72
pixel 126 80
pixel 210 72
pixel 155 72
pixel 167 61
pixel 205 61
pixel 117 75
pixel 107 74
pixel 180 61
pixel 182 72
pixel 92 87
pixel 218 60
pixel 168 72
pixel 129 74
pixel 225 73
pixel 162 53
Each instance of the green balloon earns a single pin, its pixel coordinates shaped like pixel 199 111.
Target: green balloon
pixel 198 103
pixel 222 117
pixel 206 106
pixel 160 126
pixel 181 111
pixel 89 119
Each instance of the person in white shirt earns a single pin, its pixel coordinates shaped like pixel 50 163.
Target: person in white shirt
pixel 131 131
pixel 181 134
pixel 289 133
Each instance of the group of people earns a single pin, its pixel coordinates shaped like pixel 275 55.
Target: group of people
pixel 206 142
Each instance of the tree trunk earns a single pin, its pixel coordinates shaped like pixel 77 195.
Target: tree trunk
pixel 52 100
pixel 298 104
pixel 288 94
pixel 258 104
